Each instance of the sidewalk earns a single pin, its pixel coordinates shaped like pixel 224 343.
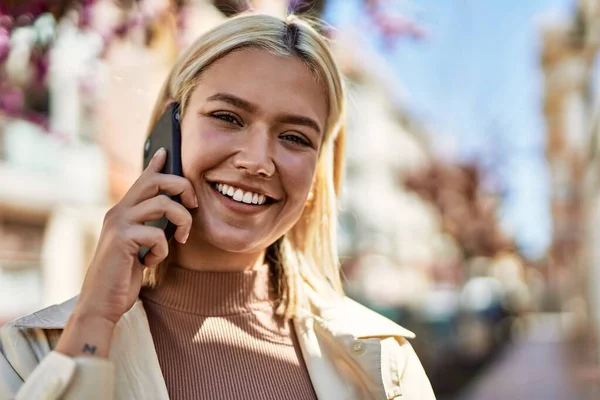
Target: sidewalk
pixel 534 367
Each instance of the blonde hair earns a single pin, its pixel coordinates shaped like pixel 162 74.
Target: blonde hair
pixel 307 254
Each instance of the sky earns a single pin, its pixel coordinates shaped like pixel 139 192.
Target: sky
pixel 475 81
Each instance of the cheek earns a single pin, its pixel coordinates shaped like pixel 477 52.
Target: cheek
pixel 297 174
pixel 202 150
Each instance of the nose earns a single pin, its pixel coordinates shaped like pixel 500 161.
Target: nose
pixel 255 154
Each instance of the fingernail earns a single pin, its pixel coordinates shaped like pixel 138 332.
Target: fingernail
pixel 159 151
pixel 195 202
pixel 186 237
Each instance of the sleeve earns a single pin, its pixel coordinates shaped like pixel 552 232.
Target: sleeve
pixel 28 372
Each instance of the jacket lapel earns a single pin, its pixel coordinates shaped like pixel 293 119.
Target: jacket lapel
pixel 138 371
pixel 325 377
pixel 138 374
pixel 348 350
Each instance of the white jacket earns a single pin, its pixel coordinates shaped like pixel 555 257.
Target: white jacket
pixel 350 352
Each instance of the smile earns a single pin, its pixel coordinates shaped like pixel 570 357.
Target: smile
pixel 241 196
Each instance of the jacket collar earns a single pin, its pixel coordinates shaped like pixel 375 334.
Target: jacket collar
pixel 53 317
pixel 331 326
pixel 343 316
pixel 332 337
pixel 349 317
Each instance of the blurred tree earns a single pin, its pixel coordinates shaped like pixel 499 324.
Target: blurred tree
pixel 23 12
pixel 467 214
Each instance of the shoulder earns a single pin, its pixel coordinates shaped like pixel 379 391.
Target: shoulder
pixel 357 329
pixel 34 328
pixel 358 320
pixel 53 317
pixel 28 339
pixel 395 348
pixel 368 321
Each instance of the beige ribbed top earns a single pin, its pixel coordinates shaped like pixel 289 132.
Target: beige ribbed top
pixel 217 337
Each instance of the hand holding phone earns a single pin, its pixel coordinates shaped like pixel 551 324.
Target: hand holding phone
pixel 166 134
pixel 114 277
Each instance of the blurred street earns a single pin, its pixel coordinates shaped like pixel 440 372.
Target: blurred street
pixel 536 366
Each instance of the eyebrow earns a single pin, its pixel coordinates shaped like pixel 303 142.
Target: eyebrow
pixel 234 101
pixel 249 107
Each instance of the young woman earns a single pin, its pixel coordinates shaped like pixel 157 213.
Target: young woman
pixel 246 302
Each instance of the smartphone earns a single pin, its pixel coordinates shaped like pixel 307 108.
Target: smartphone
pixel 166 133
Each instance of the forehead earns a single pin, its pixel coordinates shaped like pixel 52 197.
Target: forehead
pixel 276 84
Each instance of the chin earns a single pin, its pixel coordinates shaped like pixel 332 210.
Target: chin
pixel 236 240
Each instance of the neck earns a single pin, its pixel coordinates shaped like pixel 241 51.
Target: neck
pixel 201 256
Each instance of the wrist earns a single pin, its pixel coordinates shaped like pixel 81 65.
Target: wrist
pixel 86 335
pixel 81 318
pixel 90 309
pixel 83 313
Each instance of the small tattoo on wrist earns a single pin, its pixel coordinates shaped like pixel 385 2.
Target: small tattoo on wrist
pixel 89 349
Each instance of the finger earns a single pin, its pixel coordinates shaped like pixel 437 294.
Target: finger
pixel 167 183
pixel 162 206
pixel 152 238
pixel 157 162
pixel 155 165
pixel 150 185
pixel 157 183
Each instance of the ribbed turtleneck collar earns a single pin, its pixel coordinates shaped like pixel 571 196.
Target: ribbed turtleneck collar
pixel 212 293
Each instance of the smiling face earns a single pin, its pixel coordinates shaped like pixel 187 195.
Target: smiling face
pixel 251 135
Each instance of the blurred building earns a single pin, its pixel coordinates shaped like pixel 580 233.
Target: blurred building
pixel 589 19
pixel 388 235
pixel 52 175
pixel 569 60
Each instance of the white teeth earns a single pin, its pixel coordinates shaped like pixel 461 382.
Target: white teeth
pixel 240 195
pixel 247 198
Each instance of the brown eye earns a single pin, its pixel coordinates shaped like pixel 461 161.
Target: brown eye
pixel 227 117
pixel 297 139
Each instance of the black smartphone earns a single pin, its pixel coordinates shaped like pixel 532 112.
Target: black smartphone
pixel 166 133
